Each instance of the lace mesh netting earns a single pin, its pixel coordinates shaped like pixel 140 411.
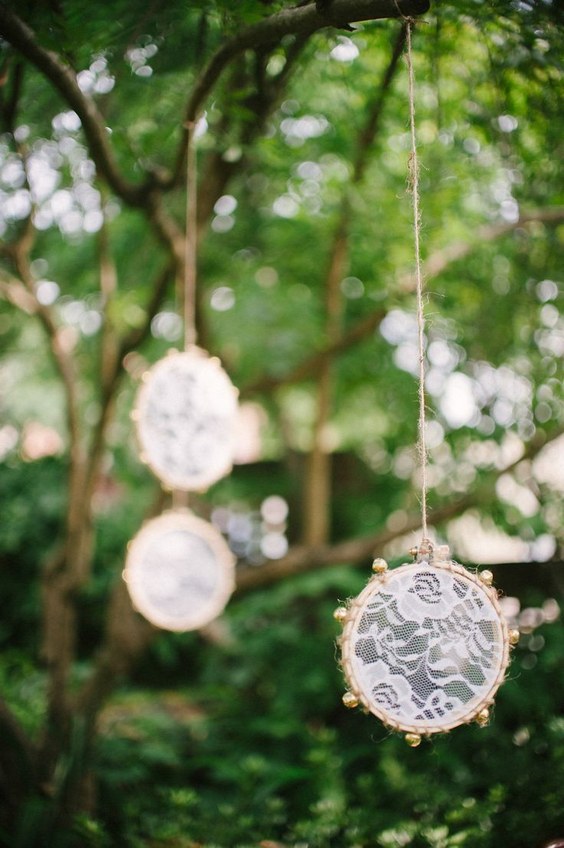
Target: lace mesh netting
pixel 185 420
pixel 179 572
pixel 427 647
pixel 178 576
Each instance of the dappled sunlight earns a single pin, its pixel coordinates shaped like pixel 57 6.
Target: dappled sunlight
pixel 478 540
pixel 38 441
pixel 251 420
pixel 289 125
pixel 255 536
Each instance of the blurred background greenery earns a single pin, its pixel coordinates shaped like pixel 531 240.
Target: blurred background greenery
pixel 236 737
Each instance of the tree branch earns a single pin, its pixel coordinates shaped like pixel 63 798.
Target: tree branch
pixel 317 488
pixel 10 101
pixel 300 21
pixel 435 265
pixel 368 133
pixel 127 636
pixel 63 573
pixel 302 558
pixel 13 291
pixel 63 78
pixel 109 345
pixel 158 290
pixel 63 360
pixel 438 261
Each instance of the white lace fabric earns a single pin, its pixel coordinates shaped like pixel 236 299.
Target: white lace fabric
pixel 179 571
pixel 425 647
pixel 185 416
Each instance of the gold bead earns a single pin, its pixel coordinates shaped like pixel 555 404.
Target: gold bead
pixel 340 614
pixel 413 739
pixel 486 577
pixel 483 717
pixel 379 566
pixel 413 551
pixel 350 700
pixel 514 637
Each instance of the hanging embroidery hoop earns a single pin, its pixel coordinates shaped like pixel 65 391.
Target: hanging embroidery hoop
pixel 179 571
pixel 185 416
pixel 425 646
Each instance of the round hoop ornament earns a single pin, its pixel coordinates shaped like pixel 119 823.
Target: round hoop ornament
pixel 179 571
pixel 425 646
pixel 185 416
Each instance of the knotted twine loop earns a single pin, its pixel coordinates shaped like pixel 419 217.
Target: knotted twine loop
pixel 413 180
pixel 404 17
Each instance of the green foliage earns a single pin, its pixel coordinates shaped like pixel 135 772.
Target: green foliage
pixel 28 537
pixel 23 686
pixel 256 746
pixel 236 737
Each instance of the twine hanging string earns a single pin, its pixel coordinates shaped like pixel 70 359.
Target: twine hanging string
pixel 187 293
pixel 414 188
pixel 190 241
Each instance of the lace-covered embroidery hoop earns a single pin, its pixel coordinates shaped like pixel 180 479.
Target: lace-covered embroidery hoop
pixel 179 571
pixel 425 646
pixel 185 416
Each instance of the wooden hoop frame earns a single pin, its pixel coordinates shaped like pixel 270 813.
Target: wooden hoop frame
pixel 356 610
pixel 144 547
pixel 163 447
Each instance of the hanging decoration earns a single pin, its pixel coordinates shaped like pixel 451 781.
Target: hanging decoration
pixel 179 571
pixel 186 408
pixel 185 416
pixel 424 646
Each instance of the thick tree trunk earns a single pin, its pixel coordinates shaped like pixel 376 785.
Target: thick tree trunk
pixel 317 490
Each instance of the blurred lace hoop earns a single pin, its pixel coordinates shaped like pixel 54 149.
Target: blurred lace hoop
pixel 185 416
pixel 425 647
pixel 179 571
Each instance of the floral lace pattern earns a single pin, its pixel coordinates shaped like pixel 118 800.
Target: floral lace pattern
pixel 186 416
pixel 427 647
pixel 179 571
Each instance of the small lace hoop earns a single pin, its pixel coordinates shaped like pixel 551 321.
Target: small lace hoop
pixel 185 415
pixel 424 647
pixel 179 571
